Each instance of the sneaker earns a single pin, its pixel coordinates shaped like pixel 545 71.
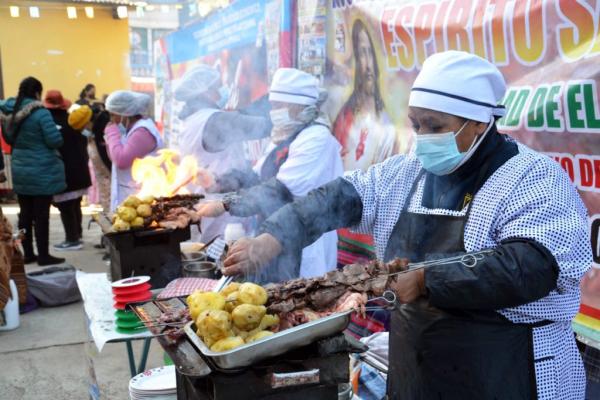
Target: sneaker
pixel 49 260
pixel 68 246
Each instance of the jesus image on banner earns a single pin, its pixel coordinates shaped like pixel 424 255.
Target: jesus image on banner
pixel 363 127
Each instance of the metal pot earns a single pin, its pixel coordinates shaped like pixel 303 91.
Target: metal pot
pixel 193 256
pixel 345 391
pixel 199 269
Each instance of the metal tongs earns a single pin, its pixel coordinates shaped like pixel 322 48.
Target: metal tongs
pixel 468 260
pixel 389 299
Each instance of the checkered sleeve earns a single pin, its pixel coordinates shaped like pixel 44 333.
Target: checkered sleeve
pixel 370 186
pixel 545 207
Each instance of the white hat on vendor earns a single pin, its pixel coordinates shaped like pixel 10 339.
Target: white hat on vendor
pixel 128 103
pixel 196 82
pixel 294 86
pixel 461 84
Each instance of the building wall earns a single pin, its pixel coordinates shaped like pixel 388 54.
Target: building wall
pixel 64 54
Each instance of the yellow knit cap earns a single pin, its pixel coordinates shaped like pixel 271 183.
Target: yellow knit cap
pixel 80 117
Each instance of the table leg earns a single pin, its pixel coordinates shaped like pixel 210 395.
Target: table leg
pixel 145 352
pixel 142 365
pixel 131 357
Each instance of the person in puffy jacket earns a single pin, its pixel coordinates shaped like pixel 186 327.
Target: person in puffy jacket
pixel 75 158
pixel 37 169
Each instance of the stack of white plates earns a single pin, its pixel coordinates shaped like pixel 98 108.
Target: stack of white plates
pixel 154 384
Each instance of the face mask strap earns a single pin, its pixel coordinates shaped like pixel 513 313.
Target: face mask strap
pixel 471 150
pixel 461 128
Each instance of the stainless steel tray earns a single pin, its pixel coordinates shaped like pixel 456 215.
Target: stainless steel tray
pixel 274 345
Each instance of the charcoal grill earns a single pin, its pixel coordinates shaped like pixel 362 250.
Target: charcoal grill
pixel 314 371
pixel 152 252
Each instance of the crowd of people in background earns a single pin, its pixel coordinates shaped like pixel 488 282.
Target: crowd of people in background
pixel 63 152
pixel 58 157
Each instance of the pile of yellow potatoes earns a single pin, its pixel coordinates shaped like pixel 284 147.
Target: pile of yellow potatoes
pixel 232 317
pixel 131 213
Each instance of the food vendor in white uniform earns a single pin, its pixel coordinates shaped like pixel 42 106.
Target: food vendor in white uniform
pixel 499 329
pixel 214 136
pixel 303 155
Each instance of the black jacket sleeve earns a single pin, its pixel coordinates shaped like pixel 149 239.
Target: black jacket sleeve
pixel 227 127
pixel 263 199
pixel 519 272
pixel 332 206
pixel 235 180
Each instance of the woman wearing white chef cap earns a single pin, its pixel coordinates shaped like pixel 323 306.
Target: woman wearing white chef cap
pixel 129 135
pixel 497 328
pixel 216 137
pixel 303 155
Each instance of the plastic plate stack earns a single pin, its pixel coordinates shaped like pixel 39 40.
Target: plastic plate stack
pixel 130 290
pixel 156 384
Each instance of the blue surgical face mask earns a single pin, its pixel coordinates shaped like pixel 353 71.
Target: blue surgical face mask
pixel 438 152
pixel 86 133
pixel 224 94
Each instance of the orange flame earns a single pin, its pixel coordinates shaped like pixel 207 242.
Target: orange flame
pixel 165 174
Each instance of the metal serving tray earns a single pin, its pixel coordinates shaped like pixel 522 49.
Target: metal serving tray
pixel 274 345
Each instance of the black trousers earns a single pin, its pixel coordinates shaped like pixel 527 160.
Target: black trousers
pixel 70 214
pixel 34 216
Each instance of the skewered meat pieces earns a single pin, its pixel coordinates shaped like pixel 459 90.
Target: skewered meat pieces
pixel 299 300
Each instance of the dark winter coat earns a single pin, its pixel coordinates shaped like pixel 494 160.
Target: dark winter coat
pixel 74 153
pixel 37 168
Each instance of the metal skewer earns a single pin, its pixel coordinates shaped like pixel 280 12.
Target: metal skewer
pixel 468 260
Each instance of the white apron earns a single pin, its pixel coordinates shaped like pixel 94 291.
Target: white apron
pixel 190 143
pixel 121 182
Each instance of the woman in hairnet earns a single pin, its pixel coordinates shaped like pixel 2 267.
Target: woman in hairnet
pixel 303 155
pixel 129 135
pixel 216 137
pixel 495 325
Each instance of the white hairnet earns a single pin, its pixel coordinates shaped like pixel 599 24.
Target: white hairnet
pixel 128 103
pixel 196 82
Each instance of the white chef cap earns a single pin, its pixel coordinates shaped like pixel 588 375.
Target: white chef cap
pixel 461 84
pixel 128 103
pixel 196 82
pixel 291 85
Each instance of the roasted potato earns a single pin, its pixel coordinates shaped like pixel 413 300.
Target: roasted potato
pixel 132 202
pixel 232 287
pixel 268 321
pixel 239 332
pixel 206 300
pixel 147 200
pixel 138 222
pixel 251 293
pixel 214 324
pixel 227 344
pixel 144 210
pixel 232 301
pixel 248 316
pixel 258 336
pixel 127 214
pixel 121 225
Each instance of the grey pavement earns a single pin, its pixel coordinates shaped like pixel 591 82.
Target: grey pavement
pixel 47 356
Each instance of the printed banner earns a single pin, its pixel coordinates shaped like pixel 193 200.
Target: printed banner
pixel 242 41
pixel 547 50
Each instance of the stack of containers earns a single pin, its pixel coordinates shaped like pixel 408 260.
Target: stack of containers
pixel 130 290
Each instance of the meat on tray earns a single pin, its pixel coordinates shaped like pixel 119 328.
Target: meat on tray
pixel 170 323
pixel 305 299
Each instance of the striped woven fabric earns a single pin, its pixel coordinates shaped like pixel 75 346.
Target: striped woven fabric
pixel 355 248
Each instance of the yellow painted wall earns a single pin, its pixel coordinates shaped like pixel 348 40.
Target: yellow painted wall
pixel 64 54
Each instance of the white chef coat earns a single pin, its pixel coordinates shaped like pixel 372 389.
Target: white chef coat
pixel 218 163
pixel 313 160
